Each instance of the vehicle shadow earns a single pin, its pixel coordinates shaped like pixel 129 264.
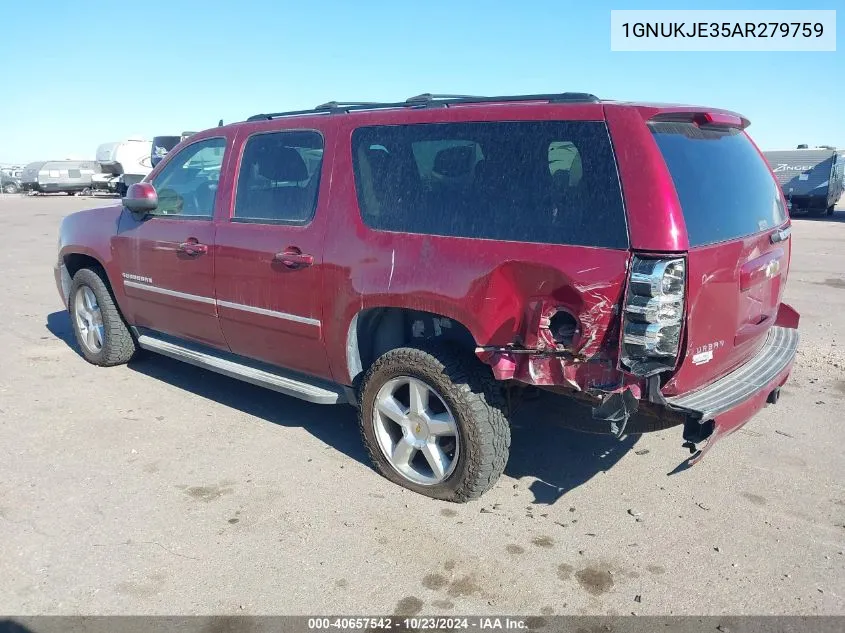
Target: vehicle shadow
pixel 550 442
pixel 12 626
pixel 58 324
pixel 557 442
pixel 335 426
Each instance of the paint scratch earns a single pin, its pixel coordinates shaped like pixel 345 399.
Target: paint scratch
pixel 392 265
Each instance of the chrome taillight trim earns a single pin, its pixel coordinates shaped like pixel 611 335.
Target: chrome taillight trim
pixel 654 312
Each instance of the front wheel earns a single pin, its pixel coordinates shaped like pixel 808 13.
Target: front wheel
pixel 10 188
pixel 830 209
pixel 433 421
pixel 101 333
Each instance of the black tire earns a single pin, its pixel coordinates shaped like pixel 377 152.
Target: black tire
pixel 118 345
pixel 830 209
pixel 475 398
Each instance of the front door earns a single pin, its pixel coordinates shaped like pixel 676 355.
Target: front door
pixel 268 254
pixel 166 259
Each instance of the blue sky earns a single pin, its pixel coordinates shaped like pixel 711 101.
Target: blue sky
pixel 88 73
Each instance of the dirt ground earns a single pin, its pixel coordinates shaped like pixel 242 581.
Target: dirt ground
pixel 162 488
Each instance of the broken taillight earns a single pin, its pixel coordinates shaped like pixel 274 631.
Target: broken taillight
pixel 654 313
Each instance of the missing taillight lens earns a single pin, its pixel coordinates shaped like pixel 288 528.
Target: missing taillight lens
pixel 654 313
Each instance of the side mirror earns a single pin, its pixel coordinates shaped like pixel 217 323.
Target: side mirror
pixel 141 198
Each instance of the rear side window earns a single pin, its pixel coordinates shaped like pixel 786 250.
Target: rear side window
pixel 725 187
pixel 279 178
pixel 552 182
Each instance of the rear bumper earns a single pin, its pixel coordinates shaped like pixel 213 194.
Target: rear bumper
pixel 725 405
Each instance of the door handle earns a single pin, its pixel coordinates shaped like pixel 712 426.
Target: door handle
pixel 192 247
pixel 293 258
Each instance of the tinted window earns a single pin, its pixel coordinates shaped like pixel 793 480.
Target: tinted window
pixel 550 181
pixel 725 187
pixel 187 186
pixel 279 177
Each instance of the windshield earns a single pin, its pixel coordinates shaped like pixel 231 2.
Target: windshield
pixel 725 188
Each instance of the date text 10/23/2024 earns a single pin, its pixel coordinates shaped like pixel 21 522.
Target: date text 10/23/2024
pixel 418 623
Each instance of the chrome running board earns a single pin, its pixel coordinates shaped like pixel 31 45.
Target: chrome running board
pixel 319 392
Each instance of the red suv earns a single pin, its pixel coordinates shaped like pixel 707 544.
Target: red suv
pixel 429 260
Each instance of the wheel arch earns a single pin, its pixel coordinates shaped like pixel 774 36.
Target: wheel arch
pixel 77 259
pixel 375 331
pixel 74 261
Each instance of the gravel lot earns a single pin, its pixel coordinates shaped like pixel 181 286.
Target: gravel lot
pixel 162 488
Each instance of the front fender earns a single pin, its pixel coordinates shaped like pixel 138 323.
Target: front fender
pixel 89 234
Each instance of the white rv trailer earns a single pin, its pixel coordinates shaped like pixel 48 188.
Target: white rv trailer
pixel 123 163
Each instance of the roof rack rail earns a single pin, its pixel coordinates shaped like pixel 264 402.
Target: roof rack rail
pixel 427 96
pixel 339 105
pixel 430 99
pixel 563 97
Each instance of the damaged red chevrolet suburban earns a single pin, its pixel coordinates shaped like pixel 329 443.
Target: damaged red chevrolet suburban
pixel 426 260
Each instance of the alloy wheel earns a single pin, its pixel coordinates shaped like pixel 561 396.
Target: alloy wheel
pixel 416 431
pixel 89 319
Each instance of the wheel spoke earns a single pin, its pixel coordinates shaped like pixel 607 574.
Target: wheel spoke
pixel 441 424
pixel 418 394
pixel 98 335
pixel 403 453
pixel 436 458
pixel 391 408
pixel 82 312
pixel 91 338
pixel 89 299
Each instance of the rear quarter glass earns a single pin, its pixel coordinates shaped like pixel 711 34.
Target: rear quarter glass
pixel 725 187
pixel 552 182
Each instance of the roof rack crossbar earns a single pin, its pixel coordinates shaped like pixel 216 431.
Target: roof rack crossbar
pixel 426 99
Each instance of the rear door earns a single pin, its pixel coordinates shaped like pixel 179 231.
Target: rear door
pixel 269 252
pixel 739 246
pixel 167 258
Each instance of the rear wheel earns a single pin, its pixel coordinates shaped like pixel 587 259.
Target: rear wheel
pixel 103 337
pixel 10 188
pixel 433 421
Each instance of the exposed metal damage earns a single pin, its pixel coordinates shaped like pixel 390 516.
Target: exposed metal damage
pixel 558 349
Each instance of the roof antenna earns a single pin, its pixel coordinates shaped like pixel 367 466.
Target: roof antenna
pixel 220 124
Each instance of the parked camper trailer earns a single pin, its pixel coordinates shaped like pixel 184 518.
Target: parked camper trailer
pixel 811 178
pixel 57 176
pixel 123 163
pixel 163 144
